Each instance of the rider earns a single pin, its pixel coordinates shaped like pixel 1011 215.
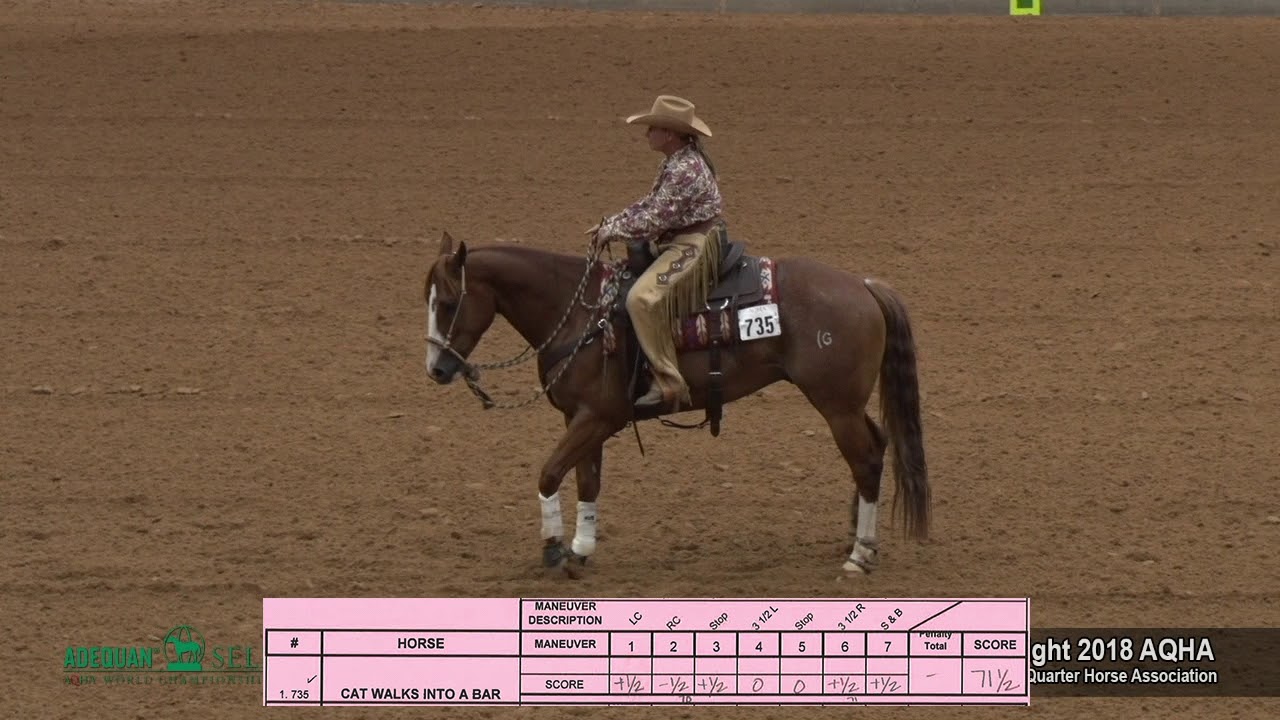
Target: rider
pixel 681 220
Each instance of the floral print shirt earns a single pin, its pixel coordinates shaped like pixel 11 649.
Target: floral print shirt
pixel 685 193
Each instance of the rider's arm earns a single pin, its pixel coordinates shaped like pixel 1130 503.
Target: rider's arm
pixel 683 190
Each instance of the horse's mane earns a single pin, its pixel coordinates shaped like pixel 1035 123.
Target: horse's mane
pixel 525 252
pixel 557 265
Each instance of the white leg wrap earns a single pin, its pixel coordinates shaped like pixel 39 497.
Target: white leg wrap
pixel 584 538
pixel 866 519
pixel 865 548
pixel 552 522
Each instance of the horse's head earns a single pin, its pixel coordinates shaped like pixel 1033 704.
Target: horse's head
pixel 459 311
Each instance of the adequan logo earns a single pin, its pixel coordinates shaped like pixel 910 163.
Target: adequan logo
pixel 183 658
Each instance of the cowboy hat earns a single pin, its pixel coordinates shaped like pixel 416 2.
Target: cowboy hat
pixel 672 113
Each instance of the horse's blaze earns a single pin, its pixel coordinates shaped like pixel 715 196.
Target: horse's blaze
pixel 433 332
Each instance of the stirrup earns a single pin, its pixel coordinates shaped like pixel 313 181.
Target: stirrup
pixel 649 400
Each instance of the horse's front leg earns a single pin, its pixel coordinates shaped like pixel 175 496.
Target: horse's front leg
pixel 581 446
pixel 585 532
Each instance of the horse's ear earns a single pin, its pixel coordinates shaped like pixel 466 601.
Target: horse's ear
pixel 459 257
pixel 446 243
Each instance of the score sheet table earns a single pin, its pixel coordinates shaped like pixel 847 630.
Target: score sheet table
pixel 624 651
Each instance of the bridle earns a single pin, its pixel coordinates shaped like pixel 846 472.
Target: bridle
pixel 447 345
pixel 471 371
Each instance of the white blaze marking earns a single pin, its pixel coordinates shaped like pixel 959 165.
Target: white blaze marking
pixel 433 351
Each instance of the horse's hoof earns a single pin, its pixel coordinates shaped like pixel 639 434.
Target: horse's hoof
pixel 854 570
pixel 575 566
pixel 554 555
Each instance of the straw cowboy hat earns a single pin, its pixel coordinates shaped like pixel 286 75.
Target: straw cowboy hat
pixel 672 113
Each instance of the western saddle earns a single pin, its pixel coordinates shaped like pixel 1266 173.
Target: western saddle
pixel 739 285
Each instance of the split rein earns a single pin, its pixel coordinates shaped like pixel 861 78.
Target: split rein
pixel 471 371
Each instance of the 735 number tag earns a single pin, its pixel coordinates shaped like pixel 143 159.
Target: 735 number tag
pixel 759 321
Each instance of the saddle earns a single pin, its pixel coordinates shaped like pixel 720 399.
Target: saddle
pixel 736 279
pixel 744 281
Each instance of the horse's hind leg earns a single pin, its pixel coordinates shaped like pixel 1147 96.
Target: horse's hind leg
pixel 862 515
pixel 863 445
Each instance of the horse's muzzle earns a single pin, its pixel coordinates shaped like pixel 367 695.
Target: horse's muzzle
pixel 446 366
pixel 446 369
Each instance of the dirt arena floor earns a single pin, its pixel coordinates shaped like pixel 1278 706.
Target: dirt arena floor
pixel 215 220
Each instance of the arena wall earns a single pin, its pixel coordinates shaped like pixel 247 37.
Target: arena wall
pixel 928 7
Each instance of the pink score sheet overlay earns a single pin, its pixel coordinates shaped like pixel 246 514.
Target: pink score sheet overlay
pixel 646 651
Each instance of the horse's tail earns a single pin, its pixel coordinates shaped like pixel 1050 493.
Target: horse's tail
pixel 900 410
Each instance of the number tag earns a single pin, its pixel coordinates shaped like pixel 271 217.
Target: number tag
pixel 759 321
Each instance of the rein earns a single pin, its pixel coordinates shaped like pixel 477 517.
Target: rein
pixel 471 371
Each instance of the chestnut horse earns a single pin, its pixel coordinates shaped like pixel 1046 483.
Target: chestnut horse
pixel 832 335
